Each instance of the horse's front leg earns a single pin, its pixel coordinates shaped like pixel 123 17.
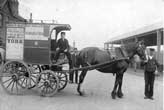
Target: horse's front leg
pixel 113 94
pixel 81 79
pixel 119 92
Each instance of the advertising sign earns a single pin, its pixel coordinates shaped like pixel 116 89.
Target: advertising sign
pixel 33 32
pixel 14 43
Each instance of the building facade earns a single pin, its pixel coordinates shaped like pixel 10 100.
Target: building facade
pixel 9 12
pixel 152 35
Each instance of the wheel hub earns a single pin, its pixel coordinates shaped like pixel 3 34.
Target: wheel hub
pixel 26 74
pixel 47 83
pixel 15 77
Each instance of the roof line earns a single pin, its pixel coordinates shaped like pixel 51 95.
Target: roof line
pixel 139 31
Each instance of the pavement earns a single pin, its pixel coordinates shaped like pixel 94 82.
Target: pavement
pixel 97 87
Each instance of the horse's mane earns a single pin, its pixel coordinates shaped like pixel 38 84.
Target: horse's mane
pixel 88 48
pixel 120 52
pixel 129 46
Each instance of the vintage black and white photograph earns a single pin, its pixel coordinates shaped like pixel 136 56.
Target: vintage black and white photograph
pixel 81 54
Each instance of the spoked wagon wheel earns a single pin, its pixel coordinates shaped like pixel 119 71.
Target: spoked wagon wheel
pixel 35 71
pixel 62 80
pixel 48 83
pixel 15 77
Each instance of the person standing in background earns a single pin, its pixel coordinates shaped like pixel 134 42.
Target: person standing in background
pixel 2 55
pixel 74 76
pixel 76 72
pixel 136 62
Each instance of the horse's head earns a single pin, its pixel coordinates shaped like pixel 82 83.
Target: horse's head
pixel 140 50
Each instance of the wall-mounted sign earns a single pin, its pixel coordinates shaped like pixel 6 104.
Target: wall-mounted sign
pixel 14 43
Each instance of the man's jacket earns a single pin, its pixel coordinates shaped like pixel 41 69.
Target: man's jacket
pixel 62 44
pixel 151 65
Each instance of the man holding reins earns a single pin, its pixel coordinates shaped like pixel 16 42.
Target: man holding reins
pixel 63 47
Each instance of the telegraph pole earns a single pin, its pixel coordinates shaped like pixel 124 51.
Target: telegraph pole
pixel 74 44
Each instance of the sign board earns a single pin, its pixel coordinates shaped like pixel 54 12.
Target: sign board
pixel 15 25
pixel 35 32
pixel 14 43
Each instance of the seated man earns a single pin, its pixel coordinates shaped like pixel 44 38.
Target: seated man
pixel 63 47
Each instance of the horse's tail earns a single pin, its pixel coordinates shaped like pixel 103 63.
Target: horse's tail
pixel 83 55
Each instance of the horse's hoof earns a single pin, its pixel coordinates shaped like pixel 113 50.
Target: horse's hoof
pixel 81 93
pixel 113 94
pixel 120 94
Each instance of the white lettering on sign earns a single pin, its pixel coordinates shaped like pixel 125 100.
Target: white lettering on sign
pixel 14 43
pixel 35 33
pixel 15 25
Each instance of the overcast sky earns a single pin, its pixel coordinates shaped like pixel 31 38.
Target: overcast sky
pixel 94 22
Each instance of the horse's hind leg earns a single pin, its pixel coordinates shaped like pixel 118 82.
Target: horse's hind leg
pixel 119 92
pixel 82 76
pixel 113 94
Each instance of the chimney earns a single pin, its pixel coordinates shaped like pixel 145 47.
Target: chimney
pixel 74 44
pixel 31 18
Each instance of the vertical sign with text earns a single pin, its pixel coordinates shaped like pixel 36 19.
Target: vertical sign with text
pixel 14 43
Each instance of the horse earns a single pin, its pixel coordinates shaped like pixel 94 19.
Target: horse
pixel 92 55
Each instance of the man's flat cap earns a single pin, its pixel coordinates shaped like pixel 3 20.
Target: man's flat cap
pixel 151 49
pixel 63 33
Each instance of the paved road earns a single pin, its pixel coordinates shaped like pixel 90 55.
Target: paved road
pixel 98 87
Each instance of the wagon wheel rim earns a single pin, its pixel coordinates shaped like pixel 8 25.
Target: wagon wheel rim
pixel 24 79
pixel 11 75
pixel 34 75
pixel 63 80
pixel 48 83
